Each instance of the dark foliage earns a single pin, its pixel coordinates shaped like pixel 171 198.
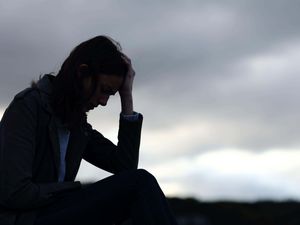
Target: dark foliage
pixel 235 213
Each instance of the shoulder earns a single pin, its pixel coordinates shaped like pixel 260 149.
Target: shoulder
pixel 29 98
pixel 24 108
pixel 30 92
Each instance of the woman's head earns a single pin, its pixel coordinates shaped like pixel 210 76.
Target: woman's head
pixel 101 54
pixel 87 62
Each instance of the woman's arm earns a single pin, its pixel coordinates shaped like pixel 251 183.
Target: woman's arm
pixel 102 153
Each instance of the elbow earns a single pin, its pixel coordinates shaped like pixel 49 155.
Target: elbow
pixel 19 198
pixel 11 201
pixel 15 202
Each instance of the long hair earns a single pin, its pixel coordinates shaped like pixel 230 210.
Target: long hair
pixel 102 55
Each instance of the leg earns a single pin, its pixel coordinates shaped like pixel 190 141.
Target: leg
pixel 131 194
pixel 150 206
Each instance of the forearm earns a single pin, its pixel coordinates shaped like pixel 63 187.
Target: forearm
pixel 127 104
pixel 126 90
pixel 129 136
pixel 29 195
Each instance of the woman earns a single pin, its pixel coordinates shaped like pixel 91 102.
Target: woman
pixel 44 135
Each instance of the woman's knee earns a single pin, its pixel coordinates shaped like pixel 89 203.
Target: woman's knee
pixel 145 177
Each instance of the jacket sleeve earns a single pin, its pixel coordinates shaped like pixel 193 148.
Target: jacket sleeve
pixel 102 153
pixel 17 152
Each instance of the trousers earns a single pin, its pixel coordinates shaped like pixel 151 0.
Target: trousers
pixel 132 195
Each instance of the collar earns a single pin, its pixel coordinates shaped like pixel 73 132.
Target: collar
pixel 44 85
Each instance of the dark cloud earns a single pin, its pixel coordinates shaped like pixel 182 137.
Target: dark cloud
pixel 185 54
pixel 213 74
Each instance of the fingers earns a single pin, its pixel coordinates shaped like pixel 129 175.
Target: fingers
pixel 128 62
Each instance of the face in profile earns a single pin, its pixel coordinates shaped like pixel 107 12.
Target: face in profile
pixel 106 86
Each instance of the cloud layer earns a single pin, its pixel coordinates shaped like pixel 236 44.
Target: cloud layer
pixel 217 83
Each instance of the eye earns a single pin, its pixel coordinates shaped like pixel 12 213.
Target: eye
pixel 107 91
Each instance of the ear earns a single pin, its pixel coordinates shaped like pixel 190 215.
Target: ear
pixel 83 70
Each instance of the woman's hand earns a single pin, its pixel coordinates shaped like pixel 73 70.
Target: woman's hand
pixel 126 90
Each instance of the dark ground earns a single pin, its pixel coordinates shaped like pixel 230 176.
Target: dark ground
pixel 193 212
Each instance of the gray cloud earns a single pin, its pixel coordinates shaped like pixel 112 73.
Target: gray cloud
pixel 182 52
pixel 200 63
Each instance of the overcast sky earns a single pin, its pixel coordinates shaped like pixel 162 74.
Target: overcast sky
pixel 217 82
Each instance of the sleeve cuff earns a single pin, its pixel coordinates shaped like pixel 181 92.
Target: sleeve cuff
pixel 133 117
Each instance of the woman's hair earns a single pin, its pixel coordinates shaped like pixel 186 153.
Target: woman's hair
pixel 102 55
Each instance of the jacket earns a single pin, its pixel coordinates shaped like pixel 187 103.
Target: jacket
pixel 30 154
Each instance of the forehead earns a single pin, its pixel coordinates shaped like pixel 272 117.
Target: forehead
pixel 109 80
